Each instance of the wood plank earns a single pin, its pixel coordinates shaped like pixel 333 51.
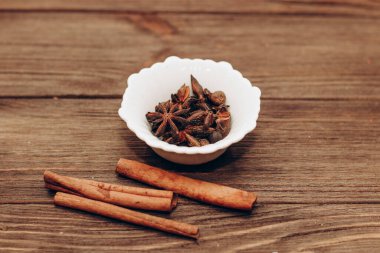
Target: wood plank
pixel 321 7
pixel 281 228
pixel 90 54
pixel 301 151
pixel 69 54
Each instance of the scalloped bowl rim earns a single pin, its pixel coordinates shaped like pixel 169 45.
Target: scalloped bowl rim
pixel 207 149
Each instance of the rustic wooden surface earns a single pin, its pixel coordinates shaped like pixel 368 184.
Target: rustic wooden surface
pixel 313 160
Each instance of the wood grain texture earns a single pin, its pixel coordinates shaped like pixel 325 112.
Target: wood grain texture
pixel 353 8
pixel 301 151
pixel 92 54
pixel 281 228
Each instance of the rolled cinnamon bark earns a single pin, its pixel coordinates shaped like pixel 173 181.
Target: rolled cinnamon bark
pixel 122 188
pixel 119 213
pixel 131 190
pixel 59 188
pixel 83 188
pixel 200 190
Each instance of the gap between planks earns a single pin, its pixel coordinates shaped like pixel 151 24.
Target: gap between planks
pixel 116 97
pixel 50 201
pixel 184 12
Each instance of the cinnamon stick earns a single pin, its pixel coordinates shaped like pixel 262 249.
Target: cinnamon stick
pixel 58 188
pixel 200 190
pixel 107 193
pixel 122 188
pixel 116 212
pixel 131 189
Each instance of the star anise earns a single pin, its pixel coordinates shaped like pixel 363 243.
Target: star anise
pixel 193 121
pixel 223 122
pixel 182 98
pixel 196 117
pixel 199 94
pixel 199 131
pixel 182 137
pixel 217 97
pixel 190 135
pixel 167 114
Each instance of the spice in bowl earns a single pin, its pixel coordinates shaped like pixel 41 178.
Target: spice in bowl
pixel 191 120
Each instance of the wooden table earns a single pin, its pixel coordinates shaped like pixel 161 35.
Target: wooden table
pixel 313 160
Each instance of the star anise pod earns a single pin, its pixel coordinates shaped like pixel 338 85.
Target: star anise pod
pixel 218 108
pixel 199 94
pixel 199 131
pixel 191 135
pixel 223 122
pixel 183 99
pixel 197 88
pixel 192 141
pixel 184 137
pixel 215 136
pixel 196 117
pixel 209 120
pixel 167 114
pixel 217 97
pixel 181 138
pixel 204 142
pixel 201 117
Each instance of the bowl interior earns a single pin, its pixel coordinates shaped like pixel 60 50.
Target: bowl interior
pixel 151 86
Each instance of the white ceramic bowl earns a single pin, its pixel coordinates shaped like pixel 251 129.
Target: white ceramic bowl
pixel 155 84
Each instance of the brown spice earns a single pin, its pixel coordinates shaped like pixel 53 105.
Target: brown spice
pixel 124 214
pixel 200 190
pixel 115 194
pixel 185 120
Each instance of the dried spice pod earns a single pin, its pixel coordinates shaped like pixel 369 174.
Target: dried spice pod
pixel 190 103
pixel 199 93
pixel 223 122
pixel 209 120
pixel 181 97
pixel 204 142
pixel 217 97
pixel 167 114
pixel 196 117
pixel 191 120
pixel 223 126
pixel 202 105
pixel 199 131
pixel 215 136
pixel 193 142
pixel 197 88
pixel 183 93
pixel 218 108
